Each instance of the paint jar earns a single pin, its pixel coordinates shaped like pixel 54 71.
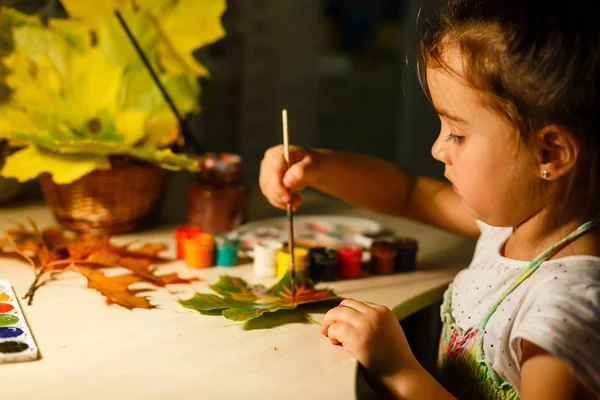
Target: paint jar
pixel 218 201
pixel 226 249
pixel 182 233
pixel 323 263
pixel 384 255
pixel 406 259
pixel 265 257
pixel 198 250
pixel 349 261
pixel 283 261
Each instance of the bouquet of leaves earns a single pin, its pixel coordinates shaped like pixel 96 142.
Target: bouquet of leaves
pixel 79 92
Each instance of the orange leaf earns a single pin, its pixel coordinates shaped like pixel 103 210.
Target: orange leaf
pixel 173 278
pixel 140 267
pixel 28 246
pixel 46 256
pixel 116 289
pixel 54 238
pixel 103 257
pixel 86 244
pixel 151 249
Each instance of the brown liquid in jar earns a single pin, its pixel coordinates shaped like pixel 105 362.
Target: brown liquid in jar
pixel 218 201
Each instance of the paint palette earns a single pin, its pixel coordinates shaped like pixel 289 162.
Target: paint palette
pixel 16 341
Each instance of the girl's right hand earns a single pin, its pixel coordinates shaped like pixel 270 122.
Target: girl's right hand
pixel 277 182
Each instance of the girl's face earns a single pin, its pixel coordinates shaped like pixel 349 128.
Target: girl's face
pixel 490 169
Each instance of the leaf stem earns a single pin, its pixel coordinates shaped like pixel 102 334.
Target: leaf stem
pixel 309 319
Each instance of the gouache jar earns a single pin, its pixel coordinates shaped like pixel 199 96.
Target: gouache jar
pixel 265 257
pixel 349 261
pixel 198 250
pixel 384 255
pixel 182 233
pixel 283 261
pixel 406 259
pixel 322 264
pixel 226 249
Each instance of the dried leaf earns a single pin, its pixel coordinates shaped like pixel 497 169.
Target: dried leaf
pixel 151 249
pixel 169 279
pixel 51 252
pixel 83 246
pixel 241 302
pixel 54 238
pixel 116 289
pixel 141 268
pixel 105 258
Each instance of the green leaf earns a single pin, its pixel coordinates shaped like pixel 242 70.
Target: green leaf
pixel 30 162
pixel 241 302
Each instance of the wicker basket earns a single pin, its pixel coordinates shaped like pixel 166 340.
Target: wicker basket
pixel 107 202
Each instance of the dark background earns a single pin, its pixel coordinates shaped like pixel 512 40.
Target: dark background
pixel 344 69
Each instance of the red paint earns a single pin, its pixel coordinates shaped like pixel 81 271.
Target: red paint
pixel 349 261
pixel 181 234
pixel 5 307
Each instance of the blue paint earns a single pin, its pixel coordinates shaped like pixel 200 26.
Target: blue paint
pixel 6 333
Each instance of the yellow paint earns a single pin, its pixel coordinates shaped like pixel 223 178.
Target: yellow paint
pixel 283 260
pixel 4 297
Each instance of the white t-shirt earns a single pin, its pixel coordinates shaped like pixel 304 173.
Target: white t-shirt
pixel 557 308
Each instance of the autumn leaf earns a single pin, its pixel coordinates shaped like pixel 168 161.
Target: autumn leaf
pixel 170 279
pixel 239 301
pixel 116 288
pixel 51 251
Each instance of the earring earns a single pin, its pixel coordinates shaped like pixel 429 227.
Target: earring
pixel 545 174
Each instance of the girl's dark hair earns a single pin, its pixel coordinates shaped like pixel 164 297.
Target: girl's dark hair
pixel 536 63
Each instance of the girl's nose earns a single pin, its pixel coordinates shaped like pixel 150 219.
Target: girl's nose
pixel 439 151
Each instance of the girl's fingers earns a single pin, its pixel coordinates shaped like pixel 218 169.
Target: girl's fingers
pixel 356 305
pixel 339 314
pixel 340 332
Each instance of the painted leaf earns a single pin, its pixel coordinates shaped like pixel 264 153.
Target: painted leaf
pixel 239 301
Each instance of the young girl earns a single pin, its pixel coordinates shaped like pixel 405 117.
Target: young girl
pixel 516 84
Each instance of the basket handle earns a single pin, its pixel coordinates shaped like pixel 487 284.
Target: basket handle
pixel 184 124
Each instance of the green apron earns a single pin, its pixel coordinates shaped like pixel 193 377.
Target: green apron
pixel 463 368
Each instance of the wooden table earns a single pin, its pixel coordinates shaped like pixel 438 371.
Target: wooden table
pixel 91 350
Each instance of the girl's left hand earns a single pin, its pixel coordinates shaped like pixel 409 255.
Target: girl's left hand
pixel 371 334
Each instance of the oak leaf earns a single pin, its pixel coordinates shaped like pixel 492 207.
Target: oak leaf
pixel 51 251
pixel 116 288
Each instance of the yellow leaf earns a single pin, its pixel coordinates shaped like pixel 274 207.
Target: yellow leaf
pixel 95 85
pixel 162 129
pixel 90 11
pixel 36 42
pixel 132 125
pixel 14 121
pixel 30 162
pixel 113 39
pixel 74 33
pixel 190 24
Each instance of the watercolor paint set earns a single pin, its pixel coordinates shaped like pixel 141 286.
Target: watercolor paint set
pixel 16 341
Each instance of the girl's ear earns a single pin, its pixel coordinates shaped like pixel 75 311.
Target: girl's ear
pixel 558 151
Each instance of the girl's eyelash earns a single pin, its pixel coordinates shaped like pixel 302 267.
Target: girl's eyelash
pixel 451 137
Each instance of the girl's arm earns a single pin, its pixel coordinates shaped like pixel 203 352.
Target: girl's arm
pixel 366 182
pixel 544 376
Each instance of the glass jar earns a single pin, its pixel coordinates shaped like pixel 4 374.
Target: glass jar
pixel 218 200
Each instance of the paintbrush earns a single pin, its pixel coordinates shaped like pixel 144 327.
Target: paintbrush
pixel 290 212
